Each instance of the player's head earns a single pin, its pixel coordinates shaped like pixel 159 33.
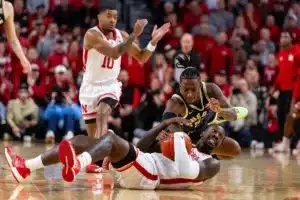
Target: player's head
pixel 286 39
pixel 108 17
pixel 211 138
pixel 190 84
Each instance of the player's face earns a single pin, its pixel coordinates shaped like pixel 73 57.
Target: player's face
pixel 211 138
pixel 215 135
pixel 190 90
pixel 285 39
pixel 108 19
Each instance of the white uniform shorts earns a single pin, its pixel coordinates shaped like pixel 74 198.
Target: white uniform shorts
pixel 90 94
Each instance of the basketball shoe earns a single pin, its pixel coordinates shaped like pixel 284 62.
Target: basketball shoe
pixel 17 165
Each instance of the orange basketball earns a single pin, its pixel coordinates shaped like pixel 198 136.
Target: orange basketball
pixel 167 146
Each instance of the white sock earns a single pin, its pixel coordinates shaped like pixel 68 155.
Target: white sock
pixel 35 163
pixel 84 159
pixel 286 141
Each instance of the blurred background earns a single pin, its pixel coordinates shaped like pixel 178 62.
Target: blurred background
pixel 233 43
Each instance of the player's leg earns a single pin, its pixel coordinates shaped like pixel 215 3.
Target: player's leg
pixel 118 150
pixel 21 168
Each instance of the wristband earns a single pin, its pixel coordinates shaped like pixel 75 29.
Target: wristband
pixel 150 47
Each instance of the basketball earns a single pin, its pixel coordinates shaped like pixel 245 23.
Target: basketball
pixel 167 146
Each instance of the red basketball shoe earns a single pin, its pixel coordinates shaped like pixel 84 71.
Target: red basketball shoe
pixel 17 165
pixel 67 157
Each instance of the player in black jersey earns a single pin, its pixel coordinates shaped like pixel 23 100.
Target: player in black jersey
pixel 202 104
pixel 7 19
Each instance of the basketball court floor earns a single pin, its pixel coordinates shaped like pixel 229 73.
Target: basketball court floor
pixel 253 176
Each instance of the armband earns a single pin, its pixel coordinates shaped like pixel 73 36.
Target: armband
pixel 168 115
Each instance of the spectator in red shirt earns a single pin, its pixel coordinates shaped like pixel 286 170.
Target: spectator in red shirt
pixel 220 79
pixel 220 57
pixel 40 15
pixel 192 16
pixel 33 58
pixel 252 17
pixel 288 61
pixel 4 57
pixel 37 87
pixel 175 32
pixel 203 40
pixel 58 57
pixel 292 27
pixel 239 54
pixel 270 71
pixel 75 58
pixel 274 29
pixel 5 87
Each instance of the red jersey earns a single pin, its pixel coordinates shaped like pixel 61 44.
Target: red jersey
pixel 288 62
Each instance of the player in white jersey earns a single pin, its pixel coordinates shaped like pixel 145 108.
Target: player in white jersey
pixel 136 169
pixel 103 47
pixel 7 19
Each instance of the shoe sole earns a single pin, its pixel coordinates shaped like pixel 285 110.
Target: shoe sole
pixel 13 170
pixel 67 157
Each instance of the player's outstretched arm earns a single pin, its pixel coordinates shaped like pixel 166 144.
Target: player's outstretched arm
pixel 143 55
pixel 93 39
pixel 226 111
pixel 13 40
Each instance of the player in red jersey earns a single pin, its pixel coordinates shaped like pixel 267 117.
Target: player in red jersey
pixel 288 64
pixel 7 19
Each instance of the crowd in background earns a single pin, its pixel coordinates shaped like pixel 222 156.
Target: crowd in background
pixel 233 43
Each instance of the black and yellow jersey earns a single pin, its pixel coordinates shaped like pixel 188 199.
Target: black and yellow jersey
pixel 196 113
pixel 2 17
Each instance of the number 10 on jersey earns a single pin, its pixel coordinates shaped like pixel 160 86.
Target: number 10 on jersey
pixel 108 63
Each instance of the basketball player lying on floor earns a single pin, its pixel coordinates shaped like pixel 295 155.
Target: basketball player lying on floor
pixel 192 102
pixel 137 170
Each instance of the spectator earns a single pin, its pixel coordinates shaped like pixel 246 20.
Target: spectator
pixel 87 15
pixel 37 32
pixel 21 16
pixel 58 57
pixel 221 18
pixel 270 71
pixel 203 39
pixel 187 45
pixel 176 31
pixel 40 16
pixel 33 5
pixel 239 54
pixel 46 45
pixel 242 96
pixel 273 28
pixel 220 79
pixel 5 87
pixel 220 57
pixel 252 18
pixel 265 35
pixel 292 26
pixel 75 59
pixel 5 59
pixel 129 100
pixel 22 115
pixel 37 87
pixel 192 16
pixel 62 115
pixel 239 30
pixel 261 52
pixel 293 11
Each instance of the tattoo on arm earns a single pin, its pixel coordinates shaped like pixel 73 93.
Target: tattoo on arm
pixel 124 46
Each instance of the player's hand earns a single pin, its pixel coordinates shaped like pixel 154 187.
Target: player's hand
pixel 214 105
pixel 157 34
pixel 26 66
pixel 163 135
pixel 16 130
pixel 139 26
pixel 178 120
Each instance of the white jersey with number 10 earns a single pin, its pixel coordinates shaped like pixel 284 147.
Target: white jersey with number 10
pixel 98 67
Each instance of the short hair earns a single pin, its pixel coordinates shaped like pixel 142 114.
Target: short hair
pixel 189 73
pixel 108 6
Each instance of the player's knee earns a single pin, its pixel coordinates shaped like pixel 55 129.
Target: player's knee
pixel 213 167
pixel 103 109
